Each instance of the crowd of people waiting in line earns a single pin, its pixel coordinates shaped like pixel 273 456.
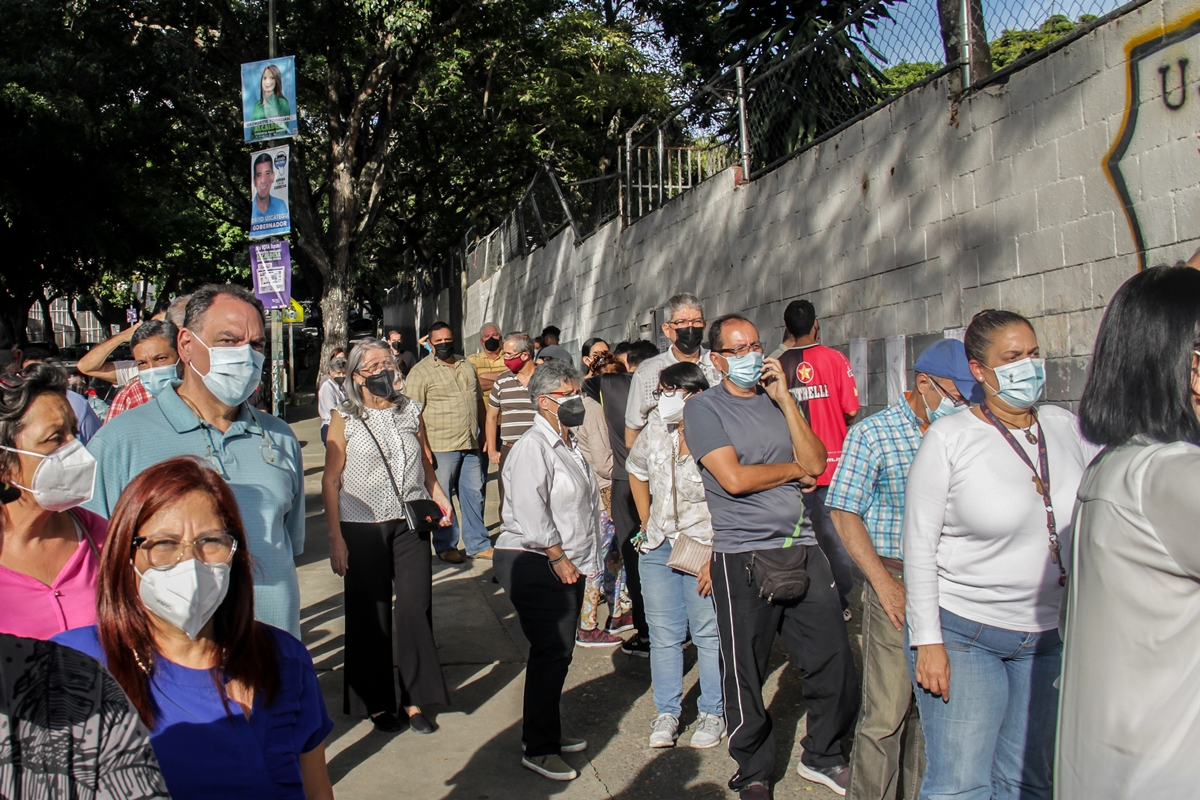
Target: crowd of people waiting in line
pixel 1030 610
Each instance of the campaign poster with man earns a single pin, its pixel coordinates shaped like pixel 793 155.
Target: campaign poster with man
pixel 269 213
pixel 269 99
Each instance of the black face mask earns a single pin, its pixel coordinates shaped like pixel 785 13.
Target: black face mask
pixel 339 379
pixel 491 345
pixel 381 383
pixel 688 339
pixel 444 351
pixel 570 412
pixel 395 346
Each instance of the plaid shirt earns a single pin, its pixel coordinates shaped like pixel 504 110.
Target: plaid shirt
pixel 451 400
pixel 132 396
pixel 870 479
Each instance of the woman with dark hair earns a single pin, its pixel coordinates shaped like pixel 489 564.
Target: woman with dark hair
pixel 1132 615
pixel 987 507
pixel 667 488
pixel 271 101
pixel 592 348
pixel 232 704
pixel 49 547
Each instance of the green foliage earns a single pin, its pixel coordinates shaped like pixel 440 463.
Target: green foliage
pixel 905 74
pixel 1013 44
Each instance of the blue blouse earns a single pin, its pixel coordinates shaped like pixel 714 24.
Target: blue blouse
pixel 206 751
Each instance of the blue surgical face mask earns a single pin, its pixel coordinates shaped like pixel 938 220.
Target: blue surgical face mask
pixel 233 372
pixel 1020 383
pixel 745 370
pixel 944 409
pixel 156 379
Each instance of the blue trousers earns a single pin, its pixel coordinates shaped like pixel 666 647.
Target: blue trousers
pixel 460 472
pixel 994 740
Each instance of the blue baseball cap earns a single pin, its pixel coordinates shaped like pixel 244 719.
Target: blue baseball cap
pixel 947 358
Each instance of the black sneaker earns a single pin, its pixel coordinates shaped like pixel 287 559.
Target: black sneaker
pixel 637 646
pixel 836 778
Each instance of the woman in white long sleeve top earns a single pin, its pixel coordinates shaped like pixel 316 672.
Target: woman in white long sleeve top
pixel 1129 721
pixel 983 579
pixel 549 543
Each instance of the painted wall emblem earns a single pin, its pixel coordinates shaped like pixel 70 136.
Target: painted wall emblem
pixel 1156 154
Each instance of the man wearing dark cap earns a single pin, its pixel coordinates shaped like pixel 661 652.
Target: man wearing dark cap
pixel 866 505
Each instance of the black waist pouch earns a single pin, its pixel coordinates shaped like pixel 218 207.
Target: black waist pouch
pixel 782 574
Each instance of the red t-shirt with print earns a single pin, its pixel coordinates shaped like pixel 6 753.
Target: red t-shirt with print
pixel 821 380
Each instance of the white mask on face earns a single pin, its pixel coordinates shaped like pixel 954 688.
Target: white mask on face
pixel 64 479
pixel 670 407
pixel 187 594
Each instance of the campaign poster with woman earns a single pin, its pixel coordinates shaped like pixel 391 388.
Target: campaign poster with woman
pixel 269 99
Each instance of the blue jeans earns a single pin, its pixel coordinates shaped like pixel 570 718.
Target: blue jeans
pixel 995 738
pixel 672 606
pixel 460 472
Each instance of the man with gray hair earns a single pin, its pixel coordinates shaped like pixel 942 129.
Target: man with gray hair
pixel 488 362
pixel 510 411
pixel 221 346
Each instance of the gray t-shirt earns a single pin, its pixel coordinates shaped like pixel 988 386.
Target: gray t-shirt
pixel 758 433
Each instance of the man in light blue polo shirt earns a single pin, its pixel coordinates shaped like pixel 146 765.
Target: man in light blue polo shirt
pixel 257 454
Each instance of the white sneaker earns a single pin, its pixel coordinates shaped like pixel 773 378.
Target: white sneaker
pixel 710 730
pixel 665 731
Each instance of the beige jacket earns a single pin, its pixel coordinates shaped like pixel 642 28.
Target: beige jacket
pixel 593 442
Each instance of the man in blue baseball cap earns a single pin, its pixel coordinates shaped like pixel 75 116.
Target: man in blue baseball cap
pixel 866 504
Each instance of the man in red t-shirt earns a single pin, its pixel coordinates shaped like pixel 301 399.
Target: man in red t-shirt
pixel 822 382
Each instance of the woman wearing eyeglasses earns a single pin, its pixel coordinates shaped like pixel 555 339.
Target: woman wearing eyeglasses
pixel 987 515
pixel 49 548
pixel 550 541
pixel 232 704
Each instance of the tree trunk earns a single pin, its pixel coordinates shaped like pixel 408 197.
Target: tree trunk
pixel 74 320
pixel 335 310
pixel 47 320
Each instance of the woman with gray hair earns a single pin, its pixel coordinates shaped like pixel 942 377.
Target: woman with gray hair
pixel 550 540
pixel 376 460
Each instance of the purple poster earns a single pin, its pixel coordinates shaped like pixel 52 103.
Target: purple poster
pixel 271 265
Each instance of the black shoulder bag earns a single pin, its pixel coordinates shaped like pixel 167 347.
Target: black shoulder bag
pixel 421 515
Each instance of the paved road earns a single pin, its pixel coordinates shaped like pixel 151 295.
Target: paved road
pixel 476 754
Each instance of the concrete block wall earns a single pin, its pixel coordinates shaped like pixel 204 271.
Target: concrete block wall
pixel 908 222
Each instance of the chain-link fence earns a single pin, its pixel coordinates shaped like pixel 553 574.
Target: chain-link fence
pixel 762 112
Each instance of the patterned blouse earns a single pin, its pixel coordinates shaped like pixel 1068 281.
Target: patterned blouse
pixel 678 503
pixel 67 730
pixel 367 494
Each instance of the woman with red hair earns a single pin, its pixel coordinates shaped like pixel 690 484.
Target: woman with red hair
pixel 233 705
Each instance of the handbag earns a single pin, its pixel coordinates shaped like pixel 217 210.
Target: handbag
pixel 421 515
pixel 687 554
pixel 782 574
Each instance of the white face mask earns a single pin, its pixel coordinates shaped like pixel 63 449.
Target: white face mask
pixel 233 372
pixel 187 594
pixel 65 479
pixel 670 407
pixel 156 379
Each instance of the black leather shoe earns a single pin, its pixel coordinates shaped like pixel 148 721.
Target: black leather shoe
pixel 387 722
pixel 422 724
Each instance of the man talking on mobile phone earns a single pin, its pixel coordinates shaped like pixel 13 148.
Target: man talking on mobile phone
pixel 768 574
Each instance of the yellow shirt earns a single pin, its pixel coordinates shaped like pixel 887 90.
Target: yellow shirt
pixel 482 362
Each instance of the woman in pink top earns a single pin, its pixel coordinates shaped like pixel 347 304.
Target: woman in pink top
pixel 49 548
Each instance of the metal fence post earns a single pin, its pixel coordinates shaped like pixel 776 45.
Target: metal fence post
pixel 743 124
pixel 660 167
pixel 965 42
pixel 628 177
pixel 562 198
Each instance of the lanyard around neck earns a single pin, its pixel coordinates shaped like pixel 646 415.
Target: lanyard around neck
pixel 1041 482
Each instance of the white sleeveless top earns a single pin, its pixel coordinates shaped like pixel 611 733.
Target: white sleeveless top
pixel 367 494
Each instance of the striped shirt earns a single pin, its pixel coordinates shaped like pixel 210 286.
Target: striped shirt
pixel 517 411
pixel 870 479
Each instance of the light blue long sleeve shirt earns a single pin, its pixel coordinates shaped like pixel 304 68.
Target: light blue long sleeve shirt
pixel 259 457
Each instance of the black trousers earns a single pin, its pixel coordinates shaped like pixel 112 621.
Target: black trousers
pixel 830 542
pixel 384 556
pixel 814 634
pixel 548 611
pixel 627 523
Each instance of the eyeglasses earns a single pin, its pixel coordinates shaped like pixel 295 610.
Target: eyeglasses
pixel 565 395
pixel 957 401
pixel 738 352
pixel 686 323
pixel 367 370
pixel 164 553
pixel 659 393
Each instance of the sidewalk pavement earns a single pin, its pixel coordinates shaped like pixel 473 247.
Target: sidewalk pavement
pixel 476 755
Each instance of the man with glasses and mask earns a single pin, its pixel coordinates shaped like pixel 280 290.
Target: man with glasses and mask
pixel 221 347
pixel 768 574
pixel 452 407
pixel 395 340
pixel 866 506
